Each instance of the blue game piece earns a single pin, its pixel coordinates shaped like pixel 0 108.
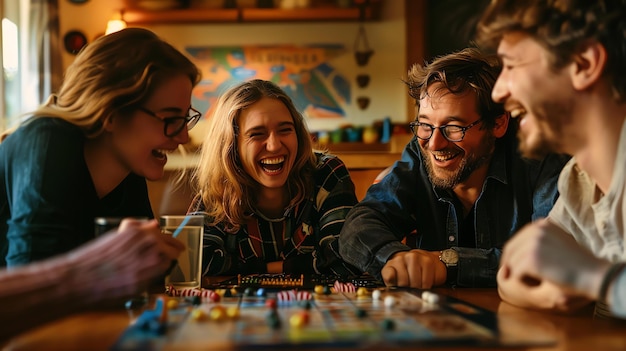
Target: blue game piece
pixel 261 292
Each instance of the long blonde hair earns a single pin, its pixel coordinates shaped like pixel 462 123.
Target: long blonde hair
pixel 226 190
pixel 112 76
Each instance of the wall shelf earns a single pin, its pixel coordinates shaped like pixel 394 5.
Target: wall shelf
pixel 249 15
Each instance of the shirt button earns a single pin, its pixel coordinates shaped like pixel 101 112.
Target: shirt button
pixel 451 238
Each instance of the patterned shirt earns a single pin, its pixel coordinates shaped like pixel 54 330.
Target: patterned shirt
pixel 305 239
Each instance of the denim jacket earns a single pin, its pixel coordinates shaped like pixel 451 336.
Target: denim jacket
pixel 516 191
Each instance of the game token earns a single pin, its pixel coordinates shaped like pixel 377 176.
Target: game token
pixel 172 304
pixel 298 320
pixel 227 293
pixel 430 297
pixel 217 313
pixel 261 293
pixel 248 292
pixel 361 313
pixel 389 301
pixel 232 312
pixel 319 289
pixel 271 303
pixel 388 324
pixel 376 294
pixel 327 290
pixel 215 298
pixel 306 304
pixel 273 320
pixel 197 314
pixel 196 300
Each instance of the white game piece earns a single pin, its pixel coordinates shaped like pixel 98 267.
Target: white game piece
pixel 389 301
pixel 430 298
pixel 376 294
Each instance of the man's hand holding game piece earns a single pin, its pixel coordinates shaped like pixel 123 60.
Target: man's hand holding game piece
pixel 416 269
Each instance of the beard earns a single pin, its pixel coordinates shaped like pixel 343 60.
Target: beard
pixel 469 164
pixel 548 133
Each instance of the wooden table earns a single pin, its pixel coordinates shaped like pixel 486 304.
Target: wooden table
pixel 580 331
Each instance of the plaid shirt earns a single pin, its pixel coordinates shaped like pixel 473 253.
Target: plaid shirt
pixel 305 238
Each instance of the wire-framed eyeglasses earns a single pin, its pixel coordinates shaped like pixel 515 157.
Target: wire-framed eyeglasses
pixel 174 125
pixel 452 132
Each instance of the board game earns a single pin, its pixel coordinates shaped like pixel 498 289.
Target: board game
pixel 266 312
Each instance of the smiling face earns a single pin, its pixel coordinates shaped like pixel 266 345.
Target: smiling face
pixel 138 143
pixel 451 163
pixel 267 142
pixel 539 96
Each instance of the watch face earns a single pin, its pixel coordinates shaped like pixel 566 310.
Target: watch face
pixel 449 256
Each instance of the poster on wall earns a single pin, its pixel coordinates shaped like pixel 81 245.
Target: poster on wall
pixel 316 87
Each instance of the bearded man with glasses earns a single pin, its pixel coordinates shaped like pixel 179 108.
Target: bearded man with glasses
pixel 460 190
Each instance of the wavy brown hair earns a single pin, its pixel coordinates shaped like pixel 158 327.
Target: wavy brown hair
pixel 460 72
pixel 226 190
pixel 563 27
pixel 112 76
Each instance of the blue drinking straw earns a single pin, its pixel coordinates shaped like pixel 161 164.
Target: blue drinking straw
pixel 181 226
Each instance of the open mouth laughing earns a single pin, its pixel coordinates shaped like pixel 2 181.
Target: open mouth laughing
pixel 273 164
pixel 443 156
pixel 160 154
pixel 518 112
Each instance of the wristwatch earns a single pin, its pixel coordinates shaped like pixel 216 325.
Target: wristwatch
pixel 449 257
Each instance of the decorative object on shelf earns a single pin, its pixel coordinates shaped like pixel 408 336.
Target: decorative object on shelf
pixel 362 80
pixel 74 41
pixel 370 135
pixel 363 102
pixel 362 51
pixel 116 23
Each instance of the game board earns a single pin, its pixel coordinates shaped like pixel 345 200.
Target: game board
pixel 237 317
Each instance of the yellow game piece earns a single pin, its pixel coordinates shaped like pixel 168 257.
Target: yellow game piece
pixel 232 312
pixel 172 304
pixel 362 291
pixel 297 320
pixel 319 289
pixel 197 314
pixel 217 313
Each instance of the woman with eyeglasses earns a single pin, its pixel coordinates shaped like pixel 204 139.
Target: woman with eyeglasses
pixel 88 150
pixel 272 203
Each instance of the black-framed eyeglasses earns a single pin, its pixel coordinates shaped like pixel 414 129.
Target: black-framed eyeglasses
pixel 174 125
pixel 452 132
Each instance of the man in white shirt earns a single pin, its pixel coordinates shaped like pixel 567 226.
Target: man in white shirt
pixel 564 77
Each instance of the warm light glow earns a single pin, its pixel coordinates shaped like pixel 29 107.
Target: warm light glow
pixel 115 24
pixel 10 48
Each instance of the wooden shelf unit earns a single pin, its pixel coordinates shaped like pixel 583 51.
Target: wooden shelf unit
pixel 251 15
